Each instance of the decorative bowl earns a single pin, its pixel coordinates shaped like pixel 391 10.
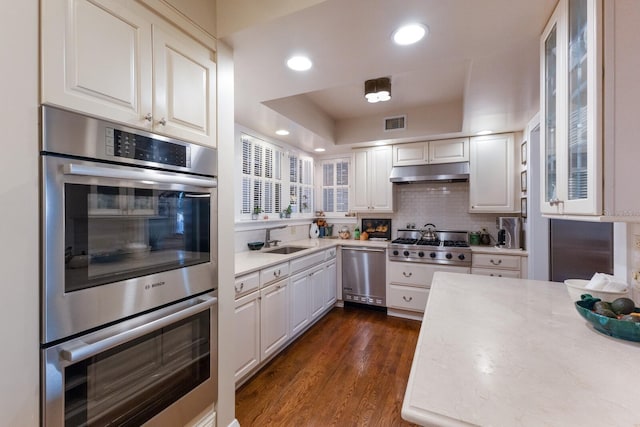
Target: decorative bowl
pixel 622 329
pixel 255 246
pixel 576 288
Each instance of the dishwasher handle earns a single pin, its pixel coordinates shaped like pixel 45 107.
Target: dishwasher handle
pixel 364 249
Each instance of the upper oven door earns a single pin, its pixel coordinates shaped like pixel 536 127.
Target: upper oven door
pixel 120 240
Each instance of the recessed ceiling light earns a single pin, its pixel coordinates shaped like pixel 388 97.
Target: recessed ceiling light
pixel 319 150
pixel 299 63
pixel 282 132
pixel 484 132
pixel 409 34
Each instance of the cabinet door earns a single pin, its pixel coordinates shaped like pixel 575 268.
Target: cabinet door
pixel 360 193
pixel 331 283
pixel 96 58
pixel 491 178
pixel 247 337
pixel 571 105
pixel 318 291
pixel 300 295
pixel 184 87
pixel 380 188
pixel 449 151
pixel 274 318
pixel 415 153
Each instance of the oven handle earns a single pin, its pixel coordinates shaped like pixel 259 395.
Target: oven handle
pixel 138 175
pixel 86 350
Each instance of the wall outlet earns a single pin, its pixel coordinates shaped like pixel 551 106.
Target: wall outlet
pixel 636 241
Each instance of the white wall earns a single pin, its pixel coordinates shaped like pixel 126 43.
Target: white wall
pixel 19 253
pixel 226 250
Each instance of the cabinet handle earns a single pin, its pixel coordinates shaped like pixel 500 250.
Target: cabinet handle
pixel 494 275
pixel 407 299
pixel 148 117
pixel 407 274
pixel 494 262
pixel 241 287
pixel 276 273
pixel 162 121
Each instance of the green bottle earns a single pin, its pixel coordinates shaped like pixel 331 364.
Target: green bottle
pixel 356 233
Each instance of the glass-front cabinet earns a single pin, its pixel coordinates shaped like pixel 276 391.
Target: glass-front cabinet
pixel 571 87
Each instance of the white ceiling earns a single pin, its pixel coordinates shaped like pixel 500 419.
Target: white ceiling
pixel 478 68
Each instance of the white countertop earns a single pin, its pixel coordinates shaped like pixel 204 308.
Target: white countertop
pixel 480 249
pixel 249 261
pixel 511 352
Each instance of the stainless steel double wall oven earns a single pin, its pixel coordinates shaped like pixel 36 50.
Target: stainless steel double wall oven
pixel 129 275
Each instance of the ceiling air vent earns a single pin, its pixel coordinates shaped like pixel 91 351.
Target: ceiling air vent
pixel 395 123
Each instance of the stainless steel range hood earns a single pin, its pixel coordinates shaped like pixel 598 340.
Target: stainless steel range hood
pixel 440 172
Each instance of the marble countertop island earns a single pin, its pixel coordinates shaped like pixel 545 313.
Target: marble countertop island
pixel 511 352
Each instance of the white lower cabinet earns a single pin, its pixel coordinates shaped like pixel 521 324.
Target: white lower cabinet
pixel 300 302
pixel 274 317
pixel 412 298
pixel 247 340
pixel 285 306
pixel 331 283
pixel 499 265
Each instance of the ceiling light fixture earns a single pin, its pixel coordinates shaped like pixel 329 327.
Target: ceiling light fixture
pixel 299 63
pixel 319 150
pixel 282 132
pixel 376 90
pixel 409 34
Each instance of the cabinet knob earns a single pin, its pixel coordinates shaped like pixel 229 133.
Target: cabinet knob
pixel 162 121
pixel 148 117
pixel 407 274
pixel 494 262
pixel 407 299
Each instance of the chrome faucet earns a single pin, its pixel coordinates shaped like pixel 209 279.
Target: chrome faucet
pixel 267 237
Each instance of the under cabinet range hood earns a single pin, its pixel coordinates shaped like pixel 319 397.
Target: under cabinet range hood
pixel 439 172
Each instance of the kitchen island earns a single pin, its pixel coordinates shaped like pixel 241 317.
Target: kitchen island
pixel 512 352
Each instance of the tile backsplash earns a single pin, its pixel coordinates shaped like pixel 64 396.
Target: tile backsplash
pixel 444 204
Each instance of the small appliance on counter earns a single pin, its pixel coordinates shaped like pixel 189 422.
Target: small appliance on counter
pixel 509 232
pixel 376 229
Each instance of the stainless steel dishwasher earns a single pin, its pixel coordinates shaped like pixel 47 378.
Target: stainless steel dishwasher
pixel 364 275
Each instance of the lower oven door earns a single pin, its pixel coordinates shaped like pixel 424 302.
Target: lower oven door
pixel 159 369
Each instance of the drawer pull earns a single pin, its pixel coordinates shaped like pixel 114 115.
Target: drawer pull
pixel 407 274
pixel 496 275
pixel 494 262
pixel 407 299
pixel 276 273
pixel 241 287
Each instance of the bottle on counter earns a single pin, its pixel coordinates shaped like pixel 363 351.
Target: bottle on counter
pixel 356 233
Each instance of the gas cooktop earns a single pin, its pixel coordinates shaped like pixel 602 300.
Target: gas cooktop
pixel 451 248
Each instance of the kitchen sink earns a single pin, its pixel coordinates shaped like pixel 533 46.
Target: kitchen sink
pixel 285 250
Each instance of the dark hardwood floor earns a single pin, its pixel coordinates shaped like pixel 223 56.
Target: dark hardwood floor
pixel 349 369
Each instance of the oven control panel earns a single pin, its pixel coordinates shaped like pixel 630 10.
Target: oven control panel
pixel 431 255
pixel 131 146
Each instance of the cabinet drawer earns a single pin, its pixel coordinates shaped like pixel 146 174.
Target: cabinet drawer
pixel 305 262
pixel 273 273
pixel 247 283
pixel 510 262
pixel 330 254
pixel 411 274
pixel 407 297
pixel 515 274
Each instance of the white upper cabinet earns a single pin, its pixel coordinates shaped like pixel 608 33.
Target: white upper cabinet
pixel 372 190
pixel 118 61
pixel 571 107
pixel 420 153
pixel 491 174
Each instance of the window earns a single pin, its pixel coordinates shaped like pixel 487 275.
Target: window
pixel 261 176
pixel 300 184
pixel 335 186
